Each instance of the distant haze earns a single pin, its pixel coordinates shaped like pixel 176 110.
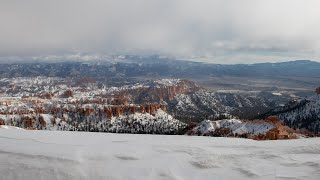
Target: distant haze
pixel 218 31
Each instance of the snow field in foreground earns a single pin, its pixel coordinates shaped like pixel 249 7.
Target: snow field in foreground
pixel 80 155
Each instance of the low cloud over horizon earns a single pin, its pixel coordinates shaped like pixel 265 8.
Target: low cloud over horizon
pixel 216 31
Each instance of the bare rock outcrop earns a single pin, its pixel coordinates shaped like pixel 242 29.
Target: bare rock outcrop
pixel 280 131
pixel 68 93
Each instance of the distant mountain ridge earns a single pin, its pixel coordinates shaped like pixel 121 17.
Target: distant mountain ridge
pixel 135 66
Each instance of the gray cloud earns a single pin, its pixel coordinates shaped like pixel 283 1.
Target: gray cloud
pixel 208 30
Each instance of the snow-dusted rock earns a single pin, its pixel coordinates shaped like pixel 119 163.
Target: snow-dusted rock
pixel 236 127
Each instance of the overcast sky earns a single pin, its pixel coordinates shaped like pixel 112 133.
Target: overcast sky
pixel 218 31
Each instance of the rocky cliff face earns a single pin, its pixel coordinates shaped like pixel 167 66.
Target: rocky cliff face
pixel 116 111
pixel 158 91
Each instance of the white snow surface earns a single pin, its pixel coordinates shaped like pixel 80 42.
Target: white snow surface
pixel 9 127
pixel 81 155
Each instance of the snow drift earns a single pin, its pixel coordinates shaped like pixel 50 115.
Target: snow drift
pixel 64 155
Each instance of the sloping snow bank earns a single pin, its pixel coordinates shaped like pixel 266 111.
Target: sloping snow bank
pixel 80 155
pixel 9 127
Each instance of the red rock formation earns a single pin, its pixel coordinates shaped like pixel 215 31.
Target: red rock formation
pixel 272 119
pixel 68 93
pixel 153 109
pixel 119 101
pixel 28 122
pixel 272 134
pixel 42 121
pixel 116 111
pixel 108 111
pixel 222 132
pixel 157 93
pixel 148 109
pixel 133 109
pixel 280 131
pixel 88 111
pixel 142 109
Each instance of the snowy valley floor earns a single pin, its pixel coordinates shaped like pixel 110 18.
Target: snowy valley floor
pixel 49 155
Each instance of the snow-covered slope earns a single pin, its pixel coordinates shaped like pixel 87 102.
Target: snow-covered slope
pixel 244 104
pixel 52 155
pixel 10 127
pixel 160 123
pixel 302 114
pixel 236 127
